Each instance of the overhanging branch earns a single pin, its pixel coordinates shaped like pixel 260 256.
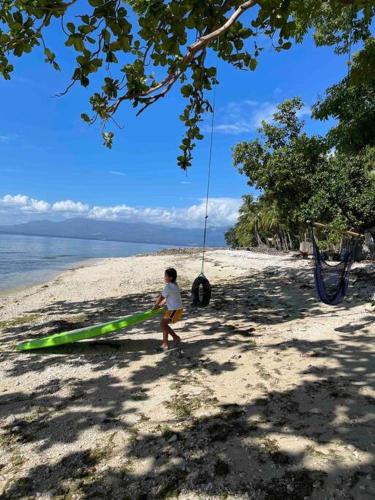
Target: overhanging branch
pixel 159 90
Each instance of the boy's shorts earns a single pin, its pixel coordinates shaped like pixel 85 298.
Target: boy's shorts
pixel 173 316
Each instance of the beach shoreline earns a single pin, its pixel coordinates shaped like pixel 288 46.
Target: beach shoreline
pixel 267 380
pixel 51 275
pixel 32 260
pixel 85 270
pixel 47 277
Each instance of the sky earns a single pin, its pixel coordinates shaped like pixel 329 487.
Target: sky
pixel 53 166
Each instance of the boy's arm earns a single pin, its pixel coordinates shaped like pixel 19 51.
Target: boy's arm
pixel 159 302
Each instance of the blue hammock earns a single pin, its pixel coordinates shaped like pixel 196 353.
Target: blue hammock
pixel 332 280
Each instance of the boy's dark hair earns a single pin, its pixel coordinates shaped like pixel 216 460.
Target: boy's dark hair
pixel 172 273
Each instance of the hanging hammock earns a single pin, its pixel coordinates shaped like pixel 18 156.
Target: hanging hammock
pixel 332 280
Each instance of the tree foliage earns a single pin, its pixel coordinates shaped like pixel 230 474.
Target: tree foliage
pixel 303 176
pixel 143 48
pixel 352 103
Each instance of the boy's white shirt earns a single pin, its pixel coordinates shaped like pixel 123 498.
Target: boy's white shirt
pixel 172 294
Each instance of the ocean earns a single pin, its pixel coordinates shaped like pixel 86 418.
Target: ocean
pixel 29 260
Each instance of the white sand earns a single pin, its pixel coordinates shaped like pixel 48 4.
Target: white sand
pixel 272 392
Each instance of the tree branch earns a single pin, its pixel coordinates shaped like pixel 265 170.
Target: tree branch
pixel 196 47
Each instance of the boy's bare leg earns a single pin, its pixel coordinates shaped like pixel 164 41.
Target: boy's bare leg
pixel 167 330
pixel 174 335
pixel 164 327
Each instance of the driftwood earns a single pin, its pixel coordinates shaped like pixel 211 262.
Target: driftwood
pixel 351 233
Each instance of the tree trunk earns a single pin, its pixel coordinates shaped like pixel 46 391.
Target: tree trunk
pixel 259 239
pixel 290 241
pixel 284 240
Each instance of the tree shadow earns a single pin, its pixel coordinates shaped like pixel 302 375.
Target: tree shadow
pixel 235 449
pixel 239 450
pixel 270 296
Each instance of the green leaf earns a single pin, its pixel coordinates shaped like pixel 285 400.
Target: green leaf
pixel 108 139
pixel 78 44
pixel 19 49
pixel 49 54
pixel 85 117
pixel 71 27
pixel 186 90
pixel 253 64
pixel 286 45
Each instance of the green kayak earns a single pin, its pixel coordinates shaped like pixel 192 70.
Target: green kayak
pixel 88 332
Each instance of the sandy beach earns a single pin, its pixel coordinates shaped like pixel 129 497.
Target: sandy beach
pixel 270 397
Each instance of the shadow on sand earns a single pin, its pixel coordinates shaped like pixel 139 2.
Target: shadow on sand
pixel 231 451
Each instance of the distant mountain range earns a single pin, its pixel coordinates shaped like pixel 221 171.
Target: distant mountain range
pixel 132 232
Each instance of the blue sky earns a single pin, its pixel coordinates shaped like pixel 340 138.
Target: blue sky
pixel 52 165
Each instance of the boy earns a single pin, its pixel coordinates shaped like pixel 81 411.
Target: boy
pixel 170 296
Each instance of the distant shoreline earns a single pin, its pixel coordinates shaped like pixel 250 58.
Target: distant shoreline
pixel 13 233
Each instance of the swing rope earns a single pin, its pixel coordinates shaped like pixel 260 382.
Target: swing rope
pixel 201 288
pixel 209 177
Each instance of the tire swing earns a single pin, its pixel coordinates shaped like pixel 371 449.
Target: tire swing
pixel 201 289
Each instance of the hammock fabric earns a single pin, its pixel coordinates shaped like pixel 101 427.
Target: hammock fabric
pixel 332 280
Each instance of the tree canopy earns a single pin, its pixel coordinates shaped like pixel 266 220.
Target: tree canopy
pixel 143 48
pixel 329 178
pixel 352 103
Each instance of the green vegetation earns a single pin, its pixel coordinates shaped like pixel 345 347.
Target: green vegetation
pixel 99 453
pixel 182 406
pixel 9 439
pixel 18 321
pixel 262 372
pixel 330 179
pixel 270 445
pixel 17 460
pixel 143 48
pixel 352 103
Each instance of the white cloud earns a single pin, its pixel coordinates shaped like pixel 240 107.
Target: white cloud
pixel 70 206
pixel 264 112
pixel 24 203
pixel 222 211
pixel 242 117
pixel 7 138
pixel 117 212
pixel 38 206
pixel 117 172
pixel 305 111
pixel 17 200
pixel 237 128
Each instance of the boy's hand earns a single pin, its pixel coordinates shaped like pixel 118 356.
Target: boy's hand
pixel 158 302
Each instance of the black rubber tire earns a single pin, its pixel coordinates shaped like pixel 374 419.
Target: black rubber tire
pixel 201 283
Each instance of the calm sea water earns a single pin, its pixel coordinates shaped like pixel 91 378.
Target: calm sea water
pixel 27 260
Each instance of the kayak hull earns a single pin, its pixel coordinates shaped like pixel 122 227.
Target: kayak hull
pixel 87 332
